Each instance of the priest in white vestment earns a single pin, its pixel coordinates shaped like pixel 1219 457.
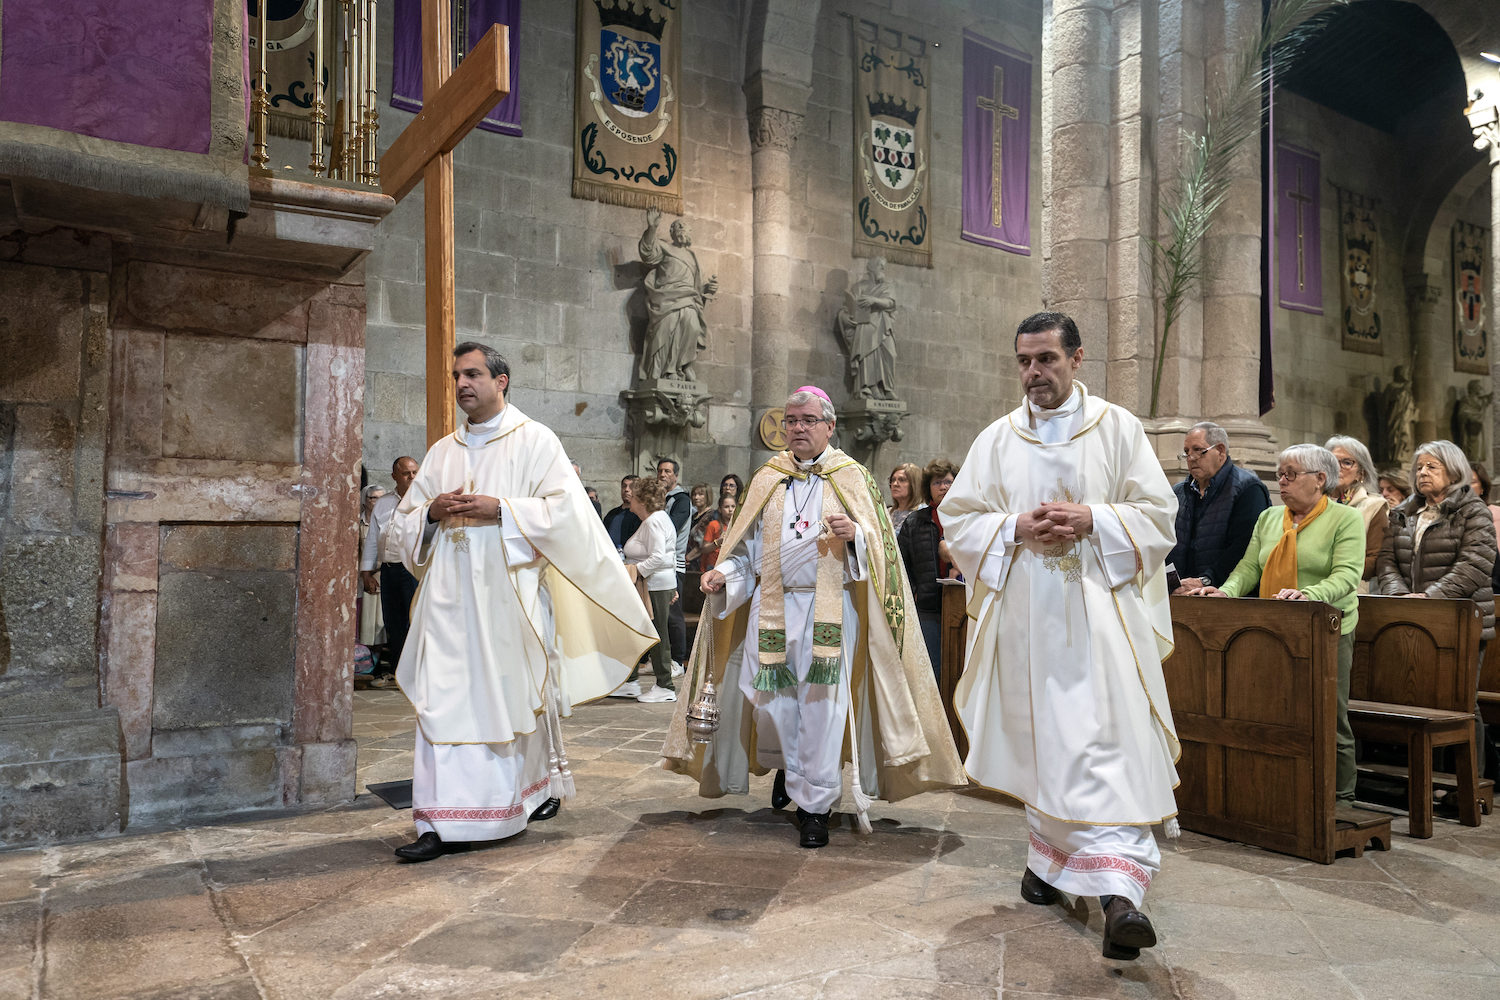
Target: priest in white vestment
pixel 523 610
pixel 816 642
pixel 1061 520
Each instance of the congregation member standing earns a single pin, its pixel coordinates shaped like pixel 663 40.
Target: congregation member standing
pixel 524 610
pixel 381 572
pixel 620 523
pixel 926 556
pixel 816 643
pixel 1309 549
pixel 1217 505
pixel 905 485
pixel 1060 520
pixel 679 507
pixel 651 556
pixel 1357 489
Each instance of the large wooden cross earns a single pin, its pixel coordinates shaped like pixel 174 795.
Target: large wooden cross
pixel 453 102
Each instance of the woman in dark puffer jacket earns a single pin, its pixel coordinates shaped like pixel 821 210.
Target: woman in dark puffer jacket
pixel 1441 542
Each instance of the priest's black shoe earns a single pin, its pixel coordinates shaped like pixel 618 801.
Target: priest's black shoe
pixel 546 810
pixel 424 848
pixel 814 828
pixel 779 798
pixel 1126 929
pixel 1034 890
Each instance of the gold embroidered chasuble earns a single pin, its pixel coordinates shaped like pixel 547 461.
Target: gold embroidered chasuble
pixel 492 597
pixel 1062 695
pixel 894 698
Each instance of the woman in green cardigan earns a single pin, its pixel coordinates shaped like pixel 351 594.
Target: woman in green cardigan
pixel 1312 549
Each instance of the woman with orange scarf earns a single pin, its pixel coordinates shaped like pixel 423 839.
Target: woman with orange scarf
pixel 1312 549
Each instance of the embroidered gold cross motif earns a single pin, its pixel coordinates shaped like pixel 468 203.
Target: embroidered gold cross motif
pixel 459 538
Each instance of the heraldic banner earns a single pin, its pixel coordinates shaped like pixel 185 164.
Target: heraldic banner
pixel 1359 241
pixel 1471 274
pixel 1299 237
pixel 626 115
pixel 471 20
pixel 892 143
pixel 997 146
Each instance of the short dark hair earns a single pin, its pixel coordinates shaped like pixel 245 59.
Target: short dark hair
pixel 1484 479
pixel 1046 322
pixel 936 469
pixel 493 359
pixel 628 479
pixel 676 469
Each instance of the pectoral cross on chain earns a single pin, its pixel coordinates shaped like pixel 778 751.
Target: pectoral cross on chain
pixel 999 109
pixel 1300 199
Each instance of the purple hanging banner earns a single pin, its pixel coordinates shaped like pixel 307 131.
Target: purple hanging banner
pixel 997 164
pixel 406 75
pixel 1299 244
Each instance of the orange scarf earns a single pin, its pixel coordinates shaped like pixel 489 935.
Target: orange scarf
pixel 1280 571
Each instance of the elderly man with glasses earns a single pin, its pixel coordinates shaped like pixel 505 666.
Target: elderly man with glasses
pixel 1217 506
pixel 817 640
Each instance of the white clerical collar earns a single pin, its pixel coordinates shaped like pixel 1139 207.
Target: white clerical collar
pixel 1068 408
pixel 811 461
pixel 488 426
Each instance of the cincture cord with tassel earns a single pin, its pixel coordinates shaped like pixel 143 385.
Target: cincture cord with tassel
pixel 862 801
pixel 559 772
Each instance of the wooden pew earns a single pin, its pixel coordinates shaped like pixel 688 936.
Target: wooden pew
pixel 1489 683
pixel 1253 691
pixel 1412 683
pixel 955 645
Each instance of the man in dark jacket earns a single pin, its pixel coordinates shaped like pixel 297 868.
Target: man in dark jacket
pixel 620 523
pixel 1217 507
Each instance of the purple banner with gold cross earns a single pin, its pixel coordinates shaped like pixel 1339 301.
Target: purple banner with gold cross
pixel 997 146
pixel 470 22
pixel 1299 242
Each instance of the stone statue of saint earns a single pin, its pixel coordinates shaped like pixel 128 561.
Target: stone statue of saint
pixel 1471 418
pixel 1400 411
pixel 675 296
pixel 867 330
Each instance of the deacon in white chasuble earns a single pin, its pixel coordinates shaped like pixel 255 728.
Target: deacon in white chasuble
pixel 1062 695
pixel 513 624
pixel 840 675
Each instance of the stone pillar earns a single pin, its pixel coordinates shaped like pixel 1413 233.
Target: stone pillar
pixel 1424 300
pixel 1231 291
pixel 1076 146
pixel 776 113
pixel 1485 121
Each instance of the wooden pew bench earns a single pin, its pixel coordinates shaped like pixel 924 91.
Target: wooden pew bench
pixel 1412 684
pixel 1253 686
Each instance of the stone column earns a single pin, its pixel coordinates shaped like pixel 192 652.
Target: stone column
pixel 776 114
pixel 1076 147
pixel 1486 124
pixel 1231 292
pixel 1424 301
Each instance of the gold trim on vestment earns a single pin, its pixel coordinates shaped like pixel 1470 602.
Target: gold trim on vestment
pixel 1140 675
pixel 1031 438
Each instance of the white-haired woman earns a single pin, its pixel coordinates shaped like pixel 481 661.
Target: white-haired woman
pixel 1442 542
pixel 1311 549
pixel 1357 488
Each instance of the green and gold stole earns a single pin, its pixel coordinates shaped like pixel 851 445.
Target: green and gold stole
pixel 828 597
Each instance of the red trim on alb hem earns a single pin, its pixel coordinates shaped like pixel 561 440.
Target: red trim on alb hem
pixel 1091 862
pixel 478 814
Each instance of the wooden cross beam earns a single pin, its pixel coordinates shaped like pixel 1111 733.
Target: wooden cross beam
pixel 453 102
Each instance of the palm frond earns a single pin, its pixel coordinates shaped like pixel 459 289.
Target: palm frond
pixel 1232 118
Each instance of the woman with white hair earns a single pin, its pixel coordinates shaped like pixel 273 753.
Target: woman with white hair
pixel 1357 489
pixel 1311 549
pixel 1442 542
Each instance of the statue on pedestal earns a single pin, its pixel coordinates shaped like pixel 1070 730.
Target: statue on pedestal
pixel 1469 417
pixel 866 327
pixel 675 296
pixel 1400 410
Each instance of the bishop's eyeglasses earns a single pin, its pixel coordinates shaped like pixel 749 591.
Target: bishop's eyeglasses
pixel 790 422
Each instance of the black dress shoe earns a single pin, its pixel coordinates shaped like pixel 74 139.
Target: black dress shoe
pixel 779 798
pixel 1035 891
pixel 546 810
pixel 424 848
pixel 814 828
pixel 1126 929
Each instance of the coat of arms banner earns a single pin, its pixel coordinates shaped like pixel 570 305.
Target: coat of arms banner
pixel 471 20
pixel 627 119
pixel 1471 312
pixel 892 145
pixel 1359 243
pixel 997 146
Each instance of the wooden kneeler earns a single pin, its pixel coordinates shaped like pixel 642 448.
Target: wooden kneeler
pixel 1423 730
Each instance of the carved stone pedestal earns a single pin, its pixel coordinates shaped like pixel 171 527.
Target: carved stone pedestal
pixel 870 423
pixel 662 410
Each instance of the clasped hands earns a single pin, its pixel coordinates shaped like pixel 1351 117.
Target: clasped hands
pixel 1055 522
pixel 456 504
